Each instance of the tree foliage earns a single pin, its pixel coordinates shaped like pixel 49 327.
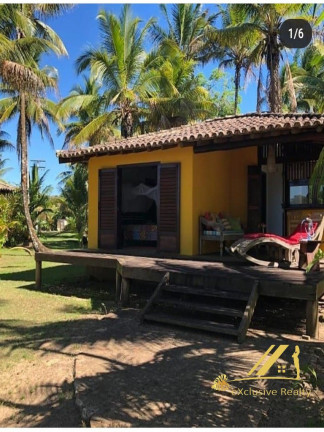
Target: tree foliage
pixel 25 39
pixel 74 190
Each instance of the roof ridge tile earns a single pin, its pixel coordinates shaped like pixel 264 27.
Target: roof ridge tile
pixel 234 125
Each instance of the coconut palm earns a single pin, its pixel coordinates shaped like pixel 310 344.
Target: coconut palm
pixel 118 64
pixel 307 72
pixel 261 22
pixel 187 26
pixel 3 169
pixel 177 95
pixel 91 123
pixel 31 107
pixel 316 182
pixel 28 39
pixel 39 195
pixel 230 54
pixel 5 144
pixel 39 109
pixel 75 192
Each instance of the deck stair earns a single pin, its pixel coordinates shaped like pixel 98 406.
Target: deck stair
pixel 220 305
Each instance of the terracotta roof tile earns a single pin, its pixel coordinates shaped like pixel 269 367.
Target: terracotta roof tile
pixel 216 129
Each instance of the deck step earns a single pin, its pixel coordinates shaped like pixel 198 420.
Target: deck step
pixel 193 323
pixel 212 310
pixel 200 307
pixel 232 295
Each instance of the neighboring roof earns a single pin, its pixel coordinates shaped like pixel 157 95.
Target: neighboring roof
pixel 5 187
pixel 248 126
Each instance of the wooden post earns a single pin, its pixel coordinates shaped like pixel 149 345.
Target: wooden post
pixel 124 295
pixel 118 286
pixel 312 328
pixel 38 275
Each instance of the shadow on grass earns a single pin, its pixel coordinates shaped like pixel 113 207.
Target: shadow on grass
pixel 62 244
pixel 60 240
pixel 50 275
pixel 68 281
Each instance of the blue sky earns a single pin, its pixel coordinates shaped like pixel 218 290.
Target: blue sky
pixel 78 29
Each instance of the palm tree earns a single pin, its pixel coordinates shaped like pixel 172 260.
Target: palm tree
pixel 4 144
pixel 3 169
pixel 91 123
pixel 40 110
pixel 231 54
pixel 261 22
pixel 187 27
pixel 75 192
pixel 118 64
pixel 316 182
pixel 307 72
pixel 29 38
pixel 39 195
pixel 177 95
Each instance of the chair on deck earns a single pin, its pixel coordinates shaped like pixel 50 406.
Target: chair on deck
pixel 289 245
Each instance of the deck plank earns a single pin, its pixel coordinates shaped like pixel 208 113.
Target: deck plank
pixel 276 282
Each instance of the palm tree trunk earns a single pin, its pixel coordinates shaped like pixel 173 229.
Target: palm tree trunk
pixel 126 127
pixel 291 89
pixel 259 89
pixel 273 61
pixel 237 80
pixel 37 245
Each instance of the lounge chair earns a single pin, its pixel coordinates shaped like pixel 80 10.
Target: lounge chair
pixel 289 246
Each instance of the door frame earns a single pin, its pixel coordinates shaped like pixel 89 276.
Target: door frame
pixel 119 195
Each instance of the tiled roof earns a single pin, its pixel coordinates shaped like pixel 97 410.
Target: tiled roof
pixel 218 129
pixel 5 187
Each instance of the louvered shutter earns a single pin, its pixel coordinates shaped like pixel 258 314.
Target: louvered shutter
pixel 108 209
pixel 169 208
pixel 256 205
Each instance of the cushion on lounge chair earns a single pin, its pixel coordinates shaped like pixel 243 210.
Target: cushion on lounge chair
pixel 295 238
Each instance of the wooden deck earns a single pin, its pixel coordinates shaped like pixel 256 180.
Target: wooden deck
pixel 274 282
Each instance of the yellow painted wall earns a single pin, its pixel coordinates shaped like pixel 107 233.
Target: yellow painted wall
pixel 182 155
pixel 240 159
pixel 220 185
pixel 213 181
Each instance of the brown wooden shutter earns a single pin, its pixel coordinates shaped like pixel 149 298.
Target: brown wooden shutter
pixel 256 200
pixel 108 209
pixel 169 208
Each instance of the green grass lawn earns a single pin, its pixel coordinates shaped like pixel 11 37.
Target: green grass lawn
pixel 29 316
pixel 60 240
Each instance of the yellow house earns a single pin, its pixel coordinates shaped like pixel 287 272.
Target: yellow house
pixel 149 190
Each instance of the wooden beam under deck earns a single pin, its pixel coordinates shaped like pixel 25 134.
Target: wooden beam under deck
pixel 294 284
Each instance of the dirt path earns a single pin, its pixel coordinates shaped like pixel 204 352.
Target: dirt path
pixel 113 372
pixel 153 376
pixel 40 393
